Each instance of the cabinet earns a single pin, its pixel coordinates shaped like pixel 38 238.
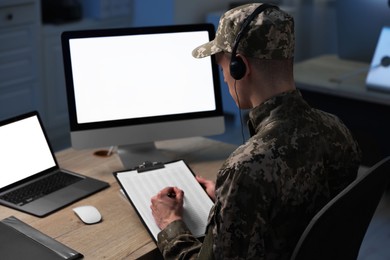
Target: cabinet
pixel 20 74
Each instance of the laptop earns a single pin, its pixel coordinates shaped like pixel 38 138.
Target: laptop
pixel 28 164
pixel 378 77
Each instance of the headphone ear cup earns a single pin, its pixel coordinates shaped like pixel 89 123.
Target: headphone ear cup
pixel 237 68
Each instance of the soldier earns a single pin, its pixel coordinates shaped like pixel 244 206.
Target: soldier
pixel 295 161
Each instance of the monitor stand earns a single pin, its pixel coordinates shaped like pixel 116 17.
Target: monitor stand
pixel 134 155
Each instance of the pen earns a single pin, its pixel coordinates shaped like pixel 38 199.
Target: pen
pixel 110 151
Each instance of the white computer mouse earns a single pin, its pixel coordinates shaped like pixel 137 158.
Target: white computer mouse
pixel 88 214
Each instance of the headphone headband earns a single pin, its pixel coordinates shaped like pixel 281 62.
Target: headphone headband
pixel 237 67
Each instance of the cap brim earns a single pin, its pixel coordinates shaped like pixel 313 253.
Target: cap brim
pixel 207 49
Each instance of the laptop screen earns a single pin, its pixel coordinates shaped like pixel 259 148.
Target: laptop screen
pixel 24 150
pixel 378 77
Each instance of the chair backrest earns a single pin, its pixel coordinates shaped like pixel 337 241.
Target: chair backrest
pixel 338 229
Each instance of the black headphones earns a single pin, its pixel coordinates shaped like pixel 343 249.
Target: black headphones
pixel 237 66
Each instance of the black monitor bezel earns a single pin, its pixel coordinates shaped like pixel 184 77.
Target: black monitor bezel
pixel 76 126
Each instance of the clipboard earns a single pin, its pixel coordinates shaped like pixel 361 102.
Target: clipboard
pixel 143 182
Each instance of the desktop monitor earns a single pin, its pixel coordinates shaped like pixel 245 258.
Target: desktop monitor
pixel 359 23
pixel 131 87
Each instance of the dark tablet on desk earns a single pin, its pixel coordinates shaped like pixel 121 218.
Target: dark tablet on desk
pixel 19 240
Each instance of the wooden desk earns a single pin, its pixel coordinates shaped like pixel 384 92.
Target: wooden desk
pixel 338 86
pixel 121 235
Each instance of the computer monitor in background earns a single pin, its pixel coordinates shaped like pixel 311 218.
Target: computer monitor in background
pixel 359 24
pixel 131 87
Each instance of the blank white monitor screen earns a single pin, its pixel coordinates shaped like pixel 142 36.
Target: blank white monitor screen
pixel 140 85
pixel 122 77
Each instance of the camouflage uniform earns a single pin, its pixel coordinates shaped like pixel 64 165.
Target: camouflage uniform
pixel 297 159
pixel 269 188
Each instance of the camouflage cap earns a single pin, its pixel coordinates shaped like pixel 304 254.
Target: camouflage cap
pixel 269 36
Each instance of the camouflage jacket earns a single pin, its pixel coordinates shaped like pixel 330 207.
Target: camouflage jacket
pixel 270 187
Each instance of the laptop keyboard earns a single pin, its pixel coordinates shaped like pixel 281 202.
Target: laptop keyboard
pixel 40 188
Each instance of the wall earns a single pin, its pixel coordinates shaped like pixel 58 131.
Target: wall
pixel 152 12
pixel 316 28
pixel 194 14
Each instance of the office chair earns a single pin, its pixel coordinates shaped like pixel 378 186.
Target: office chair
pixel 338 229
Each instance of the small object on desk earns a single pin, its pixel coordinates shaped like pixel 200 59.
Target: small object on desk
pixel 105 153
pixel 88 214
